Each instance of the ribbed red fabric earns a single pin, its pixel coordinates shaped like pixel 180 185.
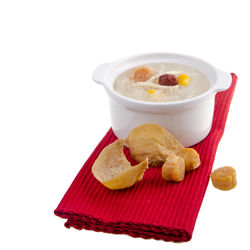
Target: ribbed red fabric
pixel 153 208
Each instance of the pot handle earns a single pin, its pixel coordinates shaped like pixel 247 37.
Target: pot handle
pixel 100 72
pixel 223 82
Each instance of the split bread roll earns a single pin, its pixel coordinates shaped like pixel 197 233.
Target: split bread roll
pixel 114 171
pixel 153 142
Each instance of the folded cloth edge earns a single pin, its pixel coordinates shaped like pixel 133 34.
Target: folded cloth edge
pixel 133 229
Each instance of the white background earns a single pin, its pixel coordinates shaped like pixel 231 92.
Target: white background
pixel 52 115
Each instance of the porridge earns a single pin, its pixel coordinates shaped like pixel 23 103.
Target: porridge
pixel 162 82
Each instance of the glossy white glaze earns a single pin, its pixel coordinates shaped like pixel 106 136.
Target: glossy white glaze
pixel 188 120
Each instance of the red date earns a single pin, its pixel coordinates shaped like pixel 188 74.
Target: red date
pixel 168 80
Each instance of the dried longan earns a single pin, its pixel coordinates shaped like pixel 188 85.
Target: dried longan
pixel 173 168
pixel 224 178
pixel 191 158
pixel 142 74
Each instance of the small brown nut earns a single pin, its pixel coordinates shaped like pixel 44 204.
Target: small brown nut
pixel 224 178
pixel 168 80
pixel 173 168
pixel 191 158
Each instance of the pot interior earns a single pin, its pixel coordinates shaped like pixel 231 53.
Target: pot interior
pixel 123 65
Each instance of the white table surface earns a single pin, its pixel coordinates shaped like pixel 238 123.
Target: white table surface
pixel 52 115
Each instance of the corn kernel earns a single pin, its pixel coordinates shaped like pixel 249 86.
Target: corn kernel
pixel 151 91
pixel 183 79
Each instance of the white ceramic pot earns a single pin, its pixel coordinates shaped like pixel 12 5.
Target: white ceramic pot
pixel 188 120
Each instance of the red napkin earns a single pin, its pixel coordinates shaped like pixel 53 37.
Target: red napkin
pixel 152 208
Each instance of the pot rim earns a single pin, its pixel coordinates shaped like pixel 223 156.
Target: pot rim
pixel 222 81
